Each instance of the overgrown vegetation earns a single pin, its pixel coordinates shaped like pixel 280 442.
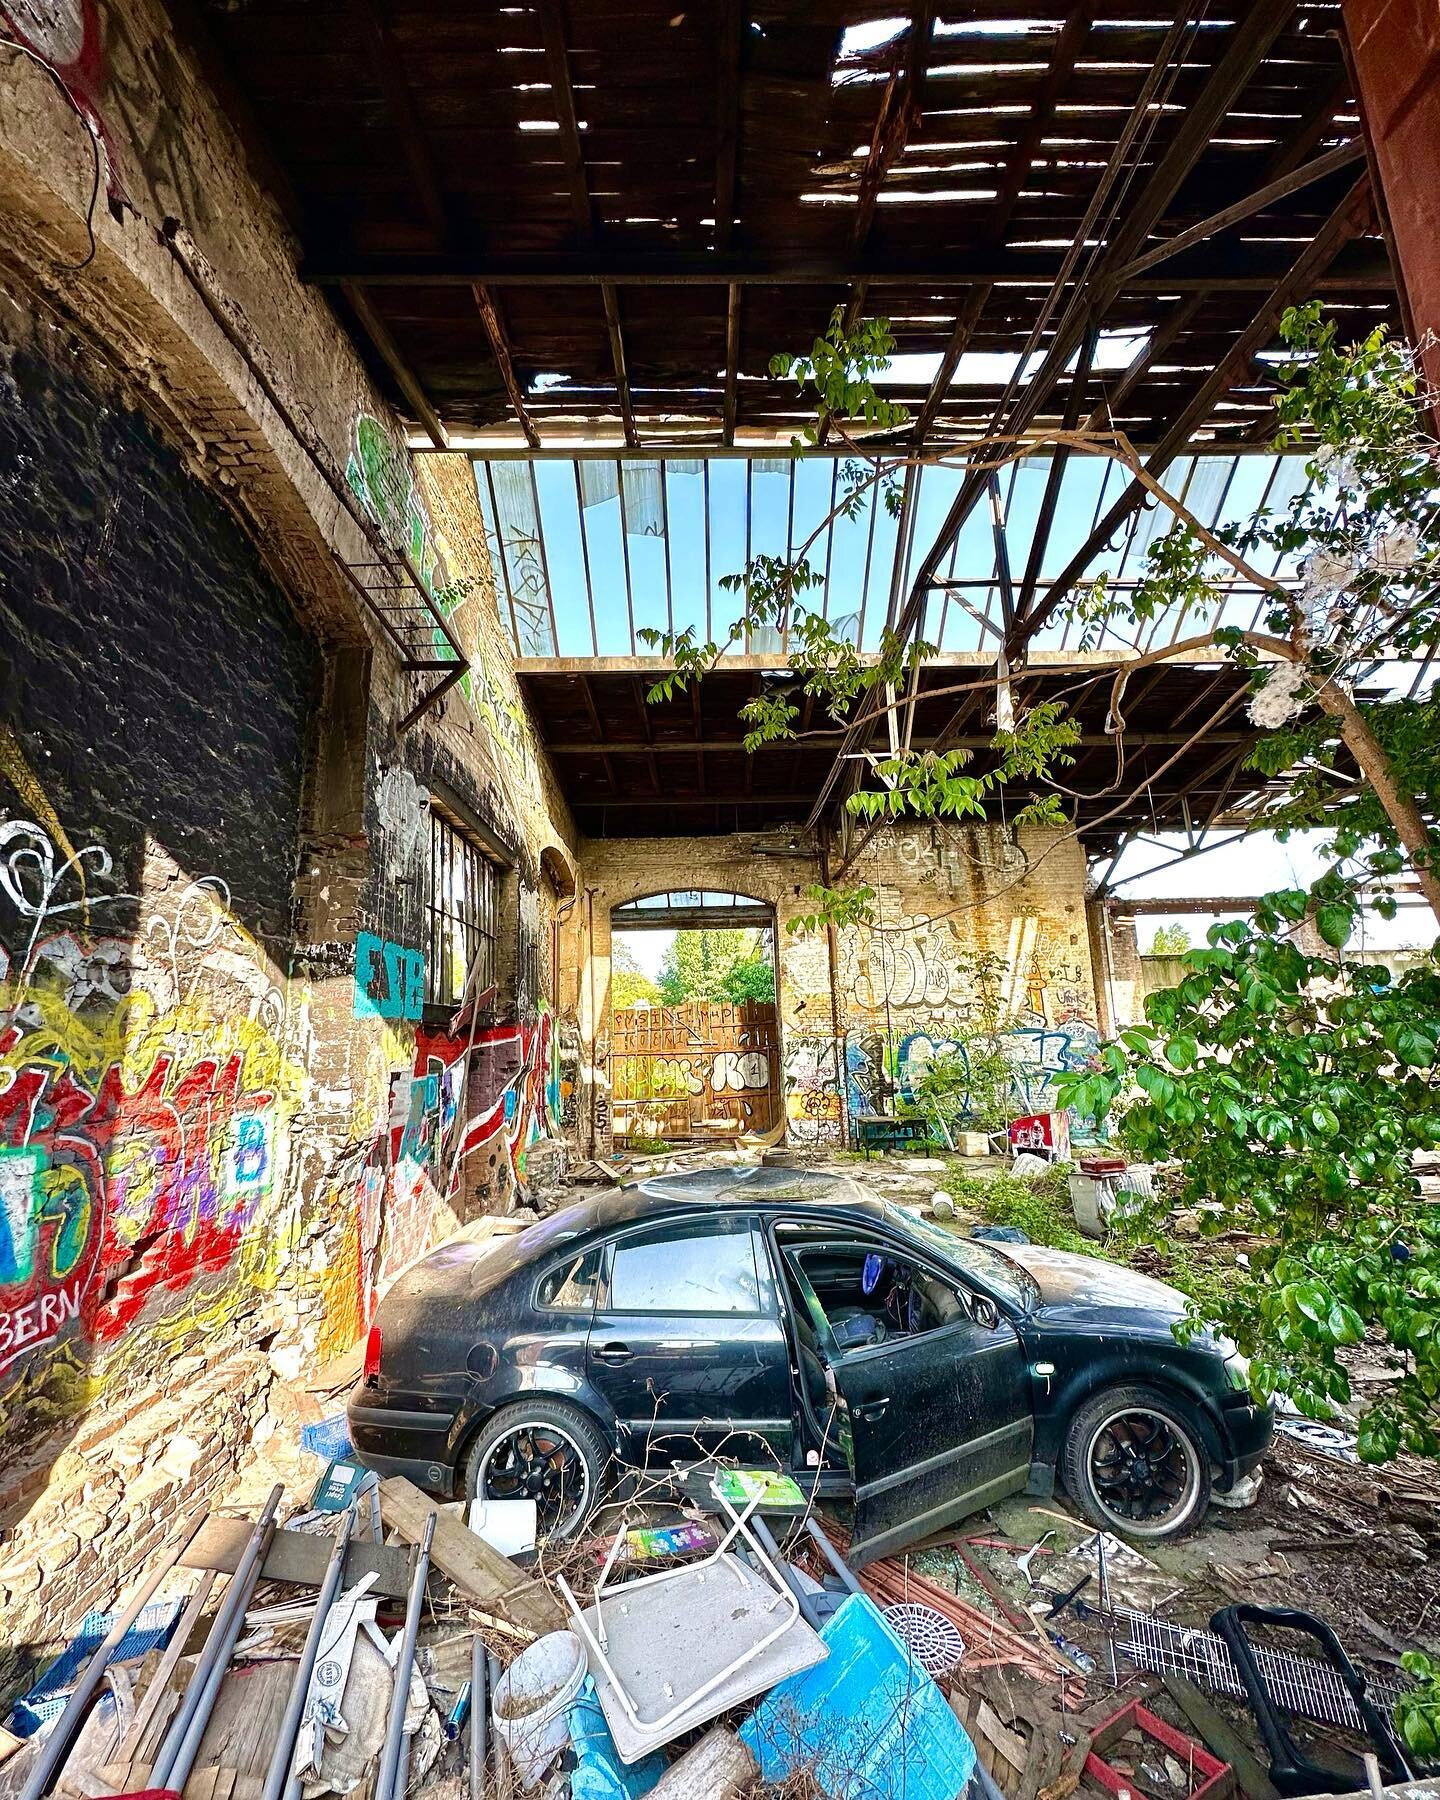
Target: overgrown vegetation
pixel 1038 1205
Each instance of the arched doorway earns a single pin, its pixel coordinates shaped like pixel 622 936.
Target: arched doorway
pixel 694 1031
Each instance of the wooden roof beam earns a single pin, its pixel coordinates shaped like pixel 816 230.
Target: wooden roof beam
pixel 732 365
pixel 388 351
pixel 557 64
pixel 617 356
pixel 500 349
pixel 1250 268
pixel 1338 158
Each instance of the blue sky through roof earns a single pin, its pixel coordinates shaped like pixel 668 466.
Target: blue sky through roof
pixel 592 551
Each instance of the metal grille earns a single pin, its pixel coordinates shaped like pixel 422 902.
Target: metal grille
pixel 1300 1684
pixel 460 908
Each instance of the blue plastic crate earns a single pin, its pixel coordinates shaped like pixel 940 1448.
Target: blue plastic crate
pixel 330 1438
pixel 151 1631
pixel 868 1721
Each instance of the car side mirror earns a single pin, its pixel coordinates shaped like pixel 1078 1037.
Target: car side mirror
pixel 985 1312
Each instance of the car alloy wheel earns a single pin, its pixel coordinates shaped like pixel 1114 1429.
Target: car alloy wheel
pixel 539 1461
pixel 1143 1470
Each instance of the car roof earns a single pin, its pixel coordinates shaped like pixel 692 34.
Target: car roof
pixel 719 1190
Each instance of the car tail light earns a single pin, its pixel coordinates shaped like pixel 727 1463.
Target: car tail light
pixel 372 1357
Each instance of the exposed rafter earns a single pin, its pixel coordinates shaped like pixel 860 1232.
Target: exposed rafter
pixel 1339 158
pixel 965 323
pixel 617 356
pixel 1247 269
pixel 500 349
pixel 732 365
pixel 378 333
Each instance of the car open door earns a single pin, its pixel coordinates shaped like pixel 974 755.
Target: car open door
pixel 941 1422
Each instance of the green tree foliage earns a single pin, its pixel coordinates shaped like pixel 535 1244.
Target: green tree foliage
pixel 629 984
pixel 716 964
pixel 1292 1094
pixel 1169 940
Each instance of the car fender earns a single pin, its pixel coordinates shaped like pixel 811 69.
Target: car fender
pixel 1121 1368
pixel 543 1380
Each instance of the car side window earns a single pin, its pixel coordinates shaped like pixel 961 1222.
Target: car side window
pixel 571 1286
pixel 686 1269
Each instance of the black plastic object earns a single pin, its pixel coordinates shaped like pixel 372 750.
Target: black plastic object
pixel 1292 1772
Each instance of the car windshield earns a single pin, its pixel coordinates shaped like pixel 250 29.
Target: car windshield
pixel 989 1267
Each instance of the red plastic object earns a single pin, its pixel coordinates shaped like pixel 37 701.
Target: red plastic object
pixel 150 1794
pixel 1219 1776
pixel 371 1373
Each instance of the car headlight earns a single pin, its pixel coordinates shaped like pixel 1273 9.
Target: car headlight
pixel 1237 1372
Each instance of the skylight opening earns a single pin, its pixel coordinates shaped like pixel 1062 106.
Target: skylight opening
pixel 996 27
pixel 859 40
pixel 890 197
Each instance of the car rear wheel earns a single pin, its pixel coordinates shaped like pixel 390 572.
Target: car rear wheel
pixel 545 1451
pixel 1135 1463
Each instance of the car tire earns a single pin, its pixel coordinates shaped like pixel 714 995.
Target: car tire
pixel 534 1449
pixel 1135 1463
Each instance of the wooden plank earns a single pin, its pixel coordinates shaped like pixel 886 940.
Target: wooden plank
pixel 479 1572
pixel 1220 1737
pixel 719 1767
pixel 297 1557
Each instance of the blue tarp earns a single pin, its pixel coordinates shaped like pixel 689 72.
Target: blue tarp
pixel 599 1773
pixel 868 1721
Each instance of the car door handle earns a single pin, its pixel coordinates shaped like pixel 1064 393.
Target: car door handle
pixel 874 1409
pixel 614 1353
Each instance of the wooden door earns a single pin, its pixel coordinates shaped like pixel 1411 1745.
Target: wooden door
pixel 703 1071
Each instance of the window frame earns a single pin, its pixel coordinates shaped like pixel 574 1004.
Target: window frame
pixel 569 1261
pixel 480 855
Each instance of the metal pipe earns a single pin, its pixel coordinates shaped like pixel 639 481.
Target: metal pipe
pixel 210 1668
pixel 277 1776
pixel 479 1716
pixel 395 1725
pixel 832 1556
pixel 803 1599
pixel 54 1746
pixel 500 1749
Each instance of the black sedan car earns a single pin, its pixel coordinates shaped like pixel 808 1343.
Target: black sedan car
pixel 782 1318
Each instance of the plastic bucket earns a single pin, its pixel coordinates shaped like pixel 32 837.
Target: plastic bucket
pixel 529 1702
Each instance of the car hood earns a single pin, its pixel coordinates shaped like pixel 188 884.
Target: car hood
pixel 1088 1293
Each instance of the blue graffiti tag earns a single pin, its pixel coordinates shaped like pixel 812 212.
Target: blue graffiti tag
pixel 389 980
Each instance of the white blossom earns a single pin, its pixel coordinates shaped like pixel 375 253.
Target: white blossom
pixel 1280 698
pixel 1398 549
pixel 1324 573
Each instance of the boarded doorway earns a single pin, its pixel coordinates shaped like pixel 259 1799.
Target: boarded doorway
pixel 702 1071
pixel 694 1035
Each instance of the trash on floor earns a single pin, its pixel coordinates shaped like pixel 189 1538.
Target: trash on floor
pixel 869 1721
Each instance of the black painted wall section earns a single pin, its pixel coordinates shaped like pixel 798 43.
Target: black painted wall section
pixel 154 672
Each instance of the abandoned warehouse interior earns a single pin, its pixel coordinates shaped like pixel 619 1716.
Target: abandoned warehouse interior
pixel 373 377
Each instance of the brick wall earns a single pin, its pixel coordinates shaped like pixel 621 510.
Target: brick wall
pixel 860 1018
pixel 215 1155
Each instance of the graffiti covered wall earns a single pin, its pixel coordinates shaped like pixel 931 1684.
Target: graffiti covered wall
pixel 155 695
pixel 971 927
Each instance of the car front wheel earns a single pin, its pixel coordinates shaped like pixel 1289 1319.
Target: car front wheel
pixel 1135 1463
pixel 545 1451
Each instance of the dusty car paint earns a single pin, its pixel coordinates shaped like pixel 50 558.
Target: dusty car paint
pixel 976 1413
